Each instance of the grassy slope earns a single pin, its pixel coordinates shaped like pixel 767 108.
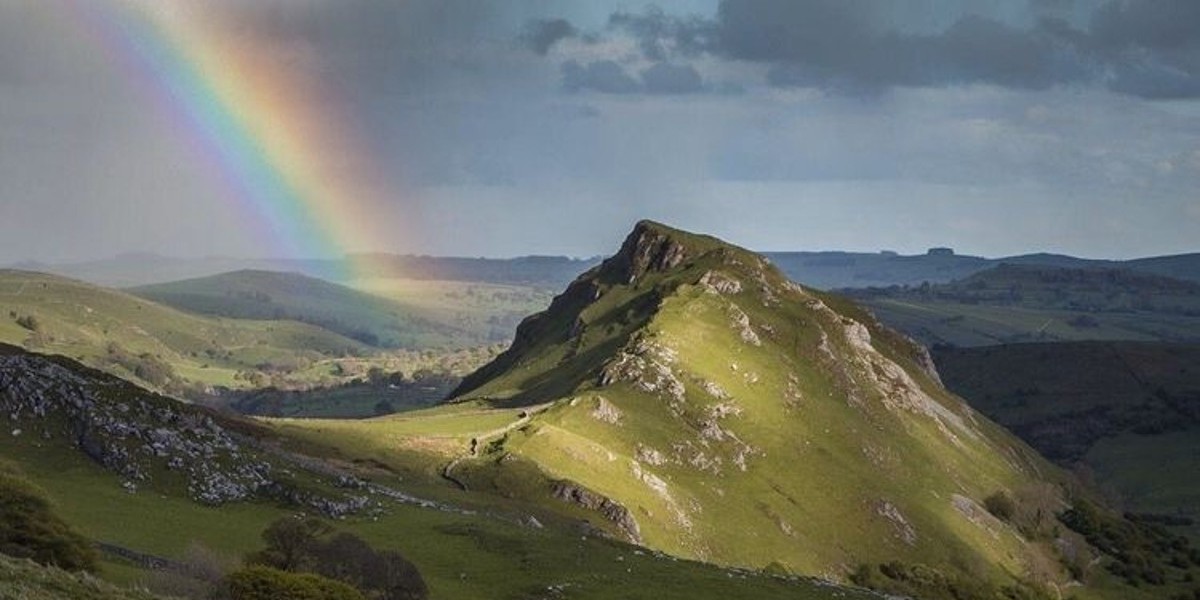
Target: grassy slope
pixel 1127 411
pixel 462 556
pixel 81 321
pixel 821 470
pixel 25 580
pixel 271 295
pixel 488 311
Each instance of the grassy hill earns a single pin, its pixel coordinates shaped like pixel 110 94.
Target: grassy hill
pixel 1125 414
pixel 693 400
pixel 151 343
pixel 465 546
pixel 836 270
pixel 1033 303
pixel 25 580
pixel 268 295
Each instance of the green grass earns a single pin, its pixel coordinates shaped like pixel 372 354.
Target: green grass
pixel 368 318
pixel 950 323
pixel 826 457
pixel 491 311
pixel 87 322
pixel 24 580
pixel 116 332
pixel 1152 474
pixel 461 556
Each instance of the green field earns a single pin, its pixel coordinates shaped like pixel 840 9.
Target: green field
pixel 186 353
pixel 1125 415
pixel 956 324
pixel 487 310
pixel 367 318
pixel 121 333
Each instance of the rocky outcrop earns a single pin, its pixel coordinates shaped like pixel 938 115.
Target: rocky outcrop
pixel 144 437
pixel 612 511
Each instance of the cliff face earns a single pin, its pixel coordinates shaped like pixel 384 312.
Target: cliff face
pixel 740 418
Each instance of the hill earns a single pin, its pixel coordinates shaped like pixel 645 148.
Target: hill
pixel 157 345
pixel 1013 303
pixel 269 295
pixel 1124 414
pixel 697 402
pixel 836 270
pixel 833 270
pixel 151 478
pixel 140 269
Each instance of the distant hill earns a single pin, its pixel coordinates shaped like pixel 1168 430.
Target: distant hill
pixel 1094 290
pixel 831 270
pixel 1126 414
pixel 156 345
pixel 269 295
pixel 1012 303
pixel 834 270
pixel 140 269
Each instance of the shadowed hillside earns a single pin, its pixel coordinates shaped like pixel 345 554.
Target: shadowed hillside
pixel 1125 414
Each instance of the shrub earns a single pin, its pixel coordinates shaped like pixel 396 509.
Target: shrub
pixel 1001 505
pixel 29 322
pixel 258 582
pixel 29 528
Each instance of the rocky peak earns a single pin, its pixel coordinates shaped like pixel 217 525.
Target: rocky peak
pixel 650 247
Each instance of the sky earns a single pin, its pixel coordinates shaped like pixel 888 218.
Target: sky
pixel 475 128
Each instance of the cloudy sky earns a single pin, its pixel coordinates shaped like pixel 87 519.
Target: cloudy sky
pixel 545 126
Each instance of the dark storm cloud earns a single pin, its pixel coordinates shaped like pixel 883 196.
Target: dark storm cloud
pixel 541 34
pixel 605 76
pixel 1148 48
pixel 664 78
pixel 660 34
pixel 610 77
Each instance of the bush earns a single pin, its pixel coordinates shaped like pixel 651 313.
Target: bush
pixel 1142 552
pixel 30 529
pixel 928 583
pixel 258 582
pixel 1001 505
pixel 29 322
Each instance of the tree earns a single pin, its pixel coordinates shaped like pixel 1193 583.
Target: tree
pixel 306 545
pixel 291 543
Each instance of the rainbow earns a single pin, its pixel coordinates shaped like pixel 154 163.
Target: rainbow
pixel 271 135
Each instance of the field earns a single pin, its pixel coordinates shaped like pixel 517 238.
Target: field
pixel 488 311
pixel 957 324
